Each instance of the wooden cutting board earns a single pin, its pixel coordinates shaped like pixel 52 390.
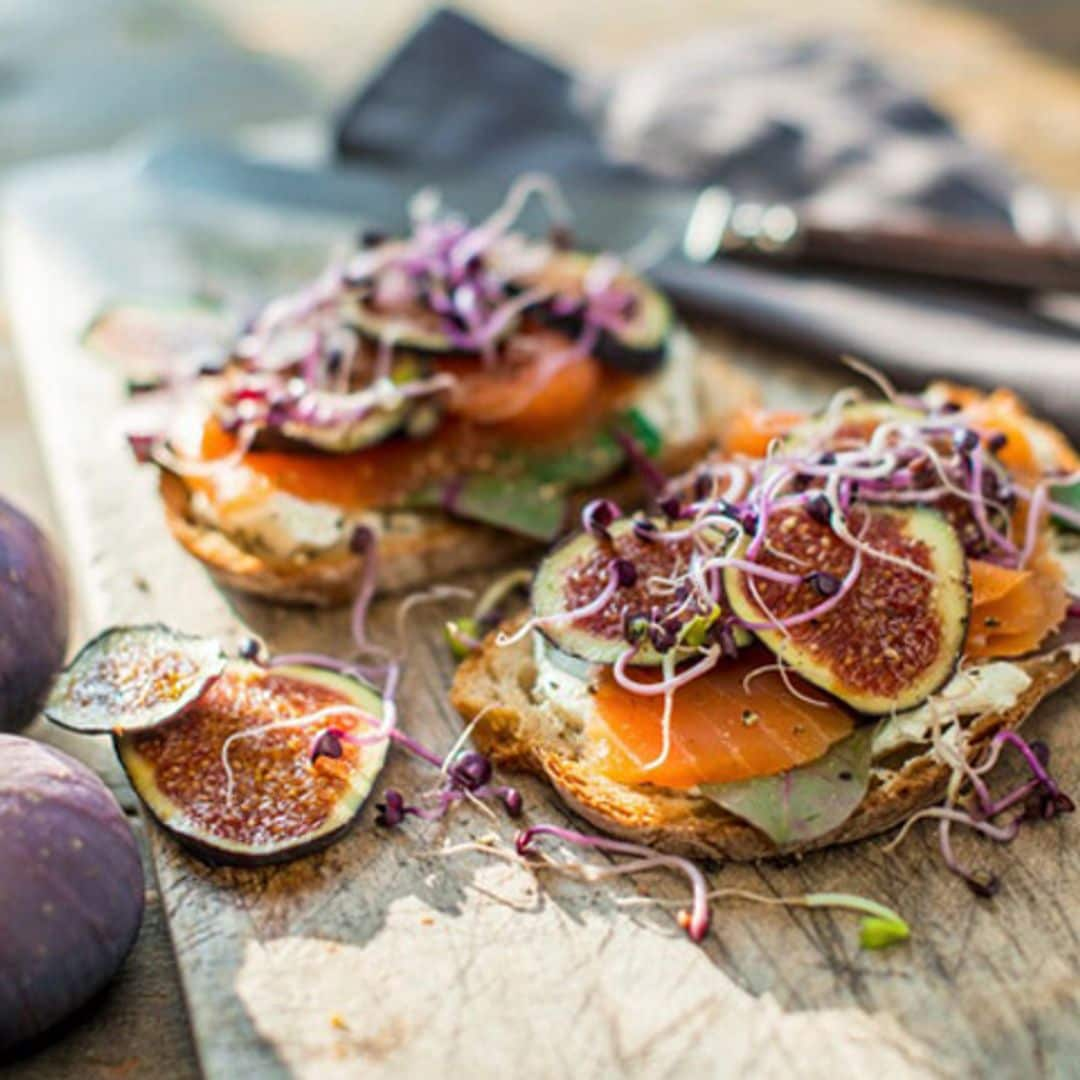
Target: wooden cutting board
pixel 383 956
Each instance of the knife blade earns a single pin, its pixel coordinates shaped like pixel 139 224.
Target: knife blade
pixel 721 225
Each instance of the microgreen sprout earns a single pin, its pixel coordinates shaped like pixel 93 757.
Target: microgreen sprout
pixel 880 926
pixel 1039 798
pixel 466 776
pixel 695 921
pixel 464 634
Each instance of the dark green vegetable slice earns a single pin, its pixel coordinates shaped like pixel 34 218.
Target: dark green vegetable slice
pixel 515 504
pixel 640 345
pixel 799 806
pixel 1068 495
pixel 132 678
pixel 527 492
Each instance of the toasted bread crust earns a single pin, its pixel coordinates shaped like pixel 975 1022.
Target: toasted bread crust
pixel 517 734
pixel 442 547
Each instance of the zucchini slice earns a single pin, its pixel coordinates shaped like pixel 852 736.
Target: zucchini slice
pixel 640 345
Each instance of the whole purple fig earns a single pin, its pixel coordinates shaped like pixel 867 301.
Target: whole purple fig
pixel 33 618
pixel 71 887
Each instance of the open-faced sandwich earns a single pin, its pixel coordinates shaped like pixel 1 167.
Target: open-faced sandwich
pixel 450 395
pixel 836 622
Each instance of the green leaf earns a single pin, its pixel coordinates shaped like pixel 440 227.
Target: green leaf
pixel 578 465
pixel 807 802
pixel 515 504
pixel 1068 495
pixel 527 491
pixel 637 424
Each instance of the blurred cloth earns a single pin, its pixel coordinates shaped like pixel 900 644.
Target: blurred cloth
pixel 812 121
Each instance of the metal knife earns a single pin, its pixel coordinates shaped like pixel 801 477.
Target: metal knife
pixel 722 226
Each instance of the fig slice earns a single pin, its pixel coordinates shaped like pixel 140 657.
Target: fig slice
pixel 895 637
pixel 577 570
pixel 131 678
pixel 150 341
pixel 233 779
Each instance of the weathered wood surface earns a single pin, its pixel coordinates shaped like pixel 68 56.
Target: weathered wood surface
pixel 381 956
pixel 138 1026
pixel 999 88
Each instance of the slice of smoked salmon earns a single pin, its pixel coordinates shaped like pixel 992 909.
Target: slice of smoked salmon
pixel 1012 611
pixel 557 398
pixel 719 730
pixel 379 475
pixel 1003 412
pixel 750 431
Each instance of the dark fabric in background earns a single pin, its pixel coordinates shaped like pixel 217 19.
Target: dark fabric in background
pixel 814 121
pixel 778 119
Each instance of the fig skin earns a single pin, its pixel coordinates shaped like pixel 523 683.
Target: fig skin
pixel 33 618
pixel 71 890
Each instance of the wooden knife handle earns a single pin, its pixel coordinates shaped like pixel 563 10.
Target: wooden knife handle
pixel 722 226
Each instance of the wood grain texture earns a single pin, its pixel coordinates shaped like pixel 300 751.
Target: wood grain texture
pixel 381 956
pixel 1025 1013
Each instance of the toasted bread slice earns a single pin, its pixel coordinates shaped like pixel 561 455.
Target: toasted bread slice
pixel 418 548
pixel 496 684
pixel 408 557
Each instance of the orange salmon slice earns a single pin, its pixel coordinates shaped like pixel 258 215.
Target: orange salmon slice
pixel 720 730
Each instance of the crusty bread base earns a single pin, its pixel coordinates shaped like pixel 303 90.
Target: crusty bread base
pixel 443 547
pixel 496 683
